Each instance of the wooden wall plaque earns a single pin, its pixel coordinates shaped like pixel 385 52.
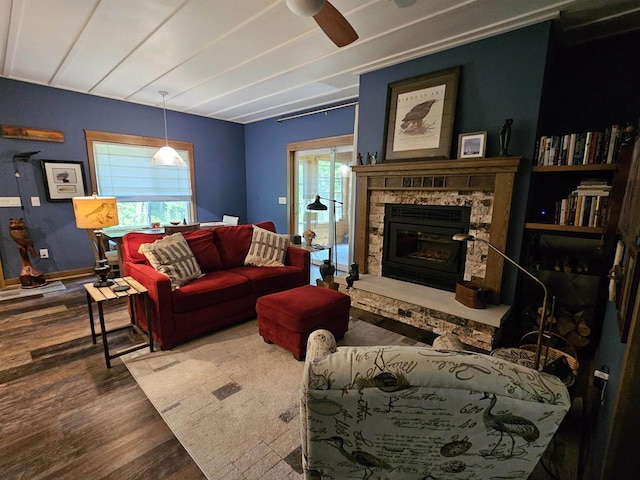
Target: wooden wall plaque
pixel 26 133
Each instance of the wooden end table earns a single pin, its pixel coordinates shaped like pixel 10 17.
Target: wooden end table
pixel 105 294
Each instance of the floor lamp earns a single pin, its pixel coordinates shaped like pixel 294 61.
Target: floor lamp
pixel 318 205
pixel 464 237
pixel 96 213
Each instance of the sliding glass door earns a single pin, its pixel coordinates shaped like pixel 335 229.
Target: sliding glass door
pixel 324 171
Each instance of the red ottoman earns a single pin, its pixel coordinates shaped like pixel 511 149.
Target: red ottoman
pixel 287 318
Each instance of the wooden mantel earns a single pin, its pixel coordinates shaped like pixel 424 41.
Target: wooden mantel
pixel 494 175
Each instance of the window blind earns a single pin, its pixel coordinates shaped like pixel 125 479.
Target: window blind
pixel 125 171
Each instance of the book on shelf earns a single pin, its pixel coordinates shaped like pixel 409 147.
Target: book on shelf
pixel 597 149
pixel 580 148
pixel 585 206
pixel 614 143
pixel 587 148
pixel 578 153
pixel 572 149
pixel 553 150
pixel 547 149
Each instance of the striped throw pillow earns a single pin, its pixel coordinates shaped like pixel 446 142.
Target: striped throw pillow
pixel 267 249
pixel 172 256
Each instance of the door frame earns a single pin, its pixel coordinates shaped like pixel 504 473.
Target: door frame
pixel 292 148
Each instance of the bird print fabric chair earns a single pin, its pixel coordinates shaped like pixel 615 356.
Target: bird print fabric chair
pixel 416 413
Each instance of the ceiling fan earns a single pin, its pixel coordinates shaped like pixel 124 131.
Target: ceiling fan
pixel 328 18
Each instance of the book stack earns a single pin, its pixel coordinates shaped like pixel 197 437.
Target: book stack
pixel 586 206
pixel 580 148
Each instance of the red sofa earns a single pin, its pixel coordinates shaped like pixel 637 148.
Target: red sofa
pixel 227 292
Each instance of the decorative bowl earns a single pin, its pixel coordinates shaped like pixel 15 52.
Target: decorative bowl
pixel 174 223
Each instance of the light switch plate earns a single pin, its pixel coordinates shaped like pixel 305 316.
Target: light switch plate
pixel 35 201
pixel 282 200
pixel 10 202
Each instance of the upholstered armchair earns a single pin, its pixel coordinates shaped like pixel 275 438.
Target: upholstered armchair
pixel 400 412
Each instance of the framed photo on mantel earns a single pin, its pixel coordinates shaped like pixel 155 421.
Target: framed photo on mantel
pixel 419 117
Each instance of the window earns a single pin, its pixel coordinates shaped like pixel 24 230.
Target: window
pixel 120 166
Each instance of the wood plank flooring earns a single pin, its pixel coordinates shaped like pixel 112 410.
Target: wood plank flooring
pixel 63 414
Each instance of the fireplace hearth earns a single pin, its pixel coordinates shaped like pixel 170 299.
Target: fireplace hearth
pixel 418 247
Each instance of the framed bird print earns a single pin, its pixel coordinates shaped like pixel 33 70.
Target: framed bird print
pixel 63 180
pixel 419 117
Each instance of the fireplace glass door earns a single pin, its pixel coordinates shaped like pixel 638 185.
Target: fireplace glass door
pixel 418 246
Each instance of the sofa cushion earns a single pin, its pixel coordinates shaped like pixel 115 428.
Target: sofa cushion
pixel 204 249
pixel 267 249
pixel 273 279
pixel 131 245
pixel 172 256
pixel 233 242
pixel 214 287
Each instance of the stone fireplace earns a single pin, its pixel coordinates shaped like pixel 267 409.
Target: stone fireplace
pixel 483 188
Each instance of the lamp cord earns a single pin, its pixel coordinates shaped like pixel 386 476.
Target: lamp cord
pixel 17 177
pixel 164 111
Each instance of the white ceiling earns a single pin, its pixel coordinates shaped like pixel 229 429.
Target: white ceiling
pixel 247 60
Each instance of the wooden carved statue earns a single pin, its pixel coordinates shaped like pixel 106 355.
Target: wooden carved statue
pixel 29 276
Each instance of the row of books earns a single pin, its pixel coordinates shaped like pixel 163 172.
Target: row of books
pixel 586 206
pixel 580 148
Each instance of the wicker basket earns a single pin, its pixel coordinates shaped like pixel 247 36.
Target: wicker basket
pixel 553 347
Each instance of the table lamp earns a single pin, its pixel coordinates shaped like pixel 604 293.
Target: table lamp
pixel 465 237
pixel 96 212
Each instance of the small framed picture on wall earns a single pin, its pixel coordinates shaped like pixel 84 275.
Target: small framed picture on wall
pixel 63 180
pixel 472 145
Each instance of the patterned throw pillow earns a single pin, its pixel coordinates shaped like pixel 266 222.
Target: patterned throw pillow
pixel 267 249
pixel 172 256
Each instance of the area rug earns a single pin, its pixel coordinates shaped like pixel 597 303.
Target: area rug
pixel 17 292
pixel 232 400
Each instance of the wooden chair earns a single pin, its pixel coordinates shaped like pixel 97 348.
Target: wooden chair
pixel 230 220
pixel 113 258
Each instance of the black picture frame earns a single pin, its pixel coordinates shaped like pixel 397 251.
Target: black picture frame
pixel 415 127
pixel 63 179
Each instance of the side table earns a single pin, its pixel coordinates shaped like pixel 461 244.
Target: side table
pixel 105 294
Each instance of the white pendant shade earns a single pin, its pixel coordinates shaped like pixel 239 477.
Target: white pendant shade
pixel 168 156
pixel 305 8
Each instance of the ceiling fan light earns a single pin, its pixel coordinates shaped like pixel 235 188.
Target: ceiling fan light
pixel 169 157
pixel 305 8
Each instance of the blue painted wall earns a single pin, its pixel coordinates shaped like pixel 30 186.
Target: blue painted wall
pixel 242 169
pixel 502 77
pixel 218 149
pixel 266 157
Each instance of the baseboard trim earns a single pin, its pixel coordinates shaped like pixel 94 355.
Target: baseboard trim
pixel 79 272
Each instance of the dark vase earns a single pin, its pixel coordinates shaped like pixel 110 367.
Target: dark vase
pixel 327 270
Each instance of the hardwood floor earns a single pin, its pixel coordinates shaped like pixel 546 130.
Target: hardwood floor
pixel 64 415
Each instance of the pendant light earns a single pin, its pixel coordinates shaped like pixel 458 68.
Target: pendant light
pixel 167 155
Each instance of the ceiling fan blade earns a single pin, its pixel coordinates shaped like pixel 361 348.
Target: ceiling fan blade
pixel 335 26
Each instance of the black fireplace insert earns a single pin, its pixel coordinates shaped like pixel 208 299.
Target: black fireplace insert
pixel 418 247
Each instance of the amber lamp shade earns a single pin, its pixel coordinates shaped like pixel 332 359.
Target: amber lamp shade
pixel 96 213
